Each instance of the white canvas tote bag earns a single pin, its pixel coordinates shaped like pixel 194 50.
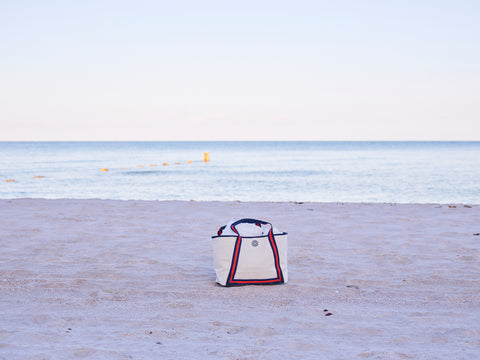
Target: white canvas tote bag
pixel 250 251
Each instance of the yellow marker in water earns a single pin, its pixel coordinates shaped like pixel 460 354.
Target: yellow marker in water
pixel 10 180
pixel 206 157
pixel 165 164
pixel 189 161
pixel 104 169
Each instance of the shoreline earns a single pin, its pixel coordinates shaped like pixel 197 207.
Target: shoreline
pixel 454 203
pixel 117 279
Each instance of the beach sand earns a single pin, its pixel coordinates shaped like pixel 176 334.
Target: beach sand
pixel 105 279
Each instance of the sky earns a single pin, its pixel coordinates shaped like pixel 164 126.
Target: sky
pixel 239 70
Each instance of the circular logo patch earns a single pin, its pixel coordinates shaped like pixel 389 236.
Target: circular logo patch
pixel 254 243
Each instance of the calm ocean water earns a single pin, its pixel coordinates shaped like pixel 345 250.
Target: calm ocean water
pixel 401 172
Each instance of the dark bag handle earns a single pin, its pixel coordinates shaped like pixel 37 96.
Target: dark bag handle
pixel 245 221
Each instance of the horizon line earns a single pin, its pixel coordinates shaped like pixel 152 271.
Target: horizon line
pixel 359 141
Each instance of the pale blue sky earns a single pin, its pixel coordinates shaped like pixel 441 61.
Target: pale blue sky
pixel 239 70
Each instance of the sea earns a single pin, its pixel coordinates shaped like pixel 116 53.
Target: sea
pixel 278 171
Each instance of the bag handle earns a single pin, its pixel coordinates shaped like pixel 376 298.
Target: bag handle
pixel 245 221
pixel 250 221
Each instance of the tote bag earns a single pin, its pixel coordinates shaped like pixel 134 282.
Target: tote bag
pixel 250 252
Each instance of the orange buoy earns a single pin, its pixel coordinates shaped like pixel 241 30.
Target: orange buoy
pixel 39 176
pixel 189 161
pixel 139 166
pixel 152 165
pixel 177 163
pixel 10 180
pixel 103 169
pixel 165 164
pixel 206 157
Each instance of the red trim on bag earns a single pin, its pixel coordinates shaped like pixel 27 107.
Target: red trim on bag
pixel 275 251
pixel 235 254
pixel 255 281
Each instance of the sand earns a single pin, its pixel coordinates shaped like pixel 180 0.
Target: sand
pixel 104 279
